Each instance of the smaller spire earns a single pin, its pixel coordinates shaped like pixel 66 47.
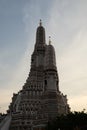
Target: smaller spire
pixel 40 22
pixel 49 40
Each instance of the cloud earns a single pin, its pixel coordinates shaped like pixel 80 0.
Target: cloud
pixel 68 28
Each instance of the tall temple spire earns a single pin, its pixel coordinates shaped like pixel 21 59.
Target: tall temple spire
pixel 50 58
pixel 40 100
pixel 40 34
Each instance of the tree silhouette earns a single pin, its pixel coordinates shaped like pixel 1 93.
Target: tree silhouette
pixel 72 121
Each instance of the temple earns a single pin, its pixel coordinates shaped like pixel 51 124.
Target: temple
pixel 40 99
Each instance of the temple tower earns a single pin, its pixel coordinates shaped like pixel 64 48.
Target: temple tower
pixel 40 99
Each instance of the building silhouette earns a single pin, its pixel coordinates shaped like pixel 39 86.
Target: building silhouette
pixel 40 99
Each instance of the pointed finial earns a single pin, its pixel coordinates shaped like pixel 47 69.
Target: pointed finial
pixel 49 40
pixel 40 22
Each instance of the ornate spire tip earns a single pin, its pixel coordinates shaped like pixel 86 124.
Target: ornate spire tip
pixel 49 40
pixel 40 22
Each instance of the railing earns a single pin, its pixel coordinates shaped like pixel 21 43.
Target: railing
pixel 4 125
